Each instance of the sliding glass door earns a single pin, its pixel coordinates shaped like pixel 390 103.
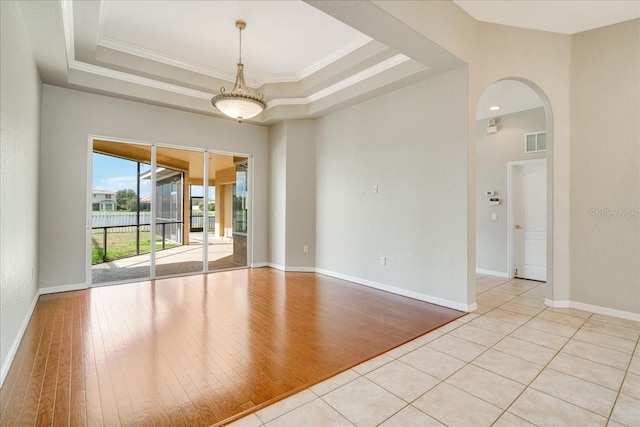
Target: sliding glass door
pixel 227 244
pixel 186 211
pixel 120 217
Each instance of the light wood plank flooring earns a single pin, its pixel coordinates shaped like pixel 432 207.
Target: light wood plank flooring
pixel 198 350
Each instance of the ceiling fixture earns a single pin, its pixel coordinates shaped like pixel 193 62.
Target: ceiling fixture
pixel 495 108
pixel 239 103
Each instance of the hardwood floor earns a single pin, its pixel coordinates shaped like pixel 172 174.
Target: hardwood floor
pixel 198 350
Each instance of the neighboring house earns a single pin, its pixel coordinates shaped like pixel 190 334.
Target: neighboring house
pixel 145 204
pixel 103 200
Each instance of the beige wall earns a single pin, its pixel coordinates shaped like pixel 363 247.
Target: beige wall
pixel 292 199
pixel 21 90
pixel 301 194
pixel 277 194
pixel 496 52
pixel 605 167
pixel 227 196
pixel 544 61
pixel 412 145
pixel 224 195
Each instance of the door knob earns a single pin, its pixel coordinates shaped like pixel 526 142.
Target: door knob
pixel 518 226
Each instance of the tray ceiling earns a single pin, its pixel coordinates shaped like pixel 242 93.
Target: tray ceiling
pixel 308 58
pixel 179 54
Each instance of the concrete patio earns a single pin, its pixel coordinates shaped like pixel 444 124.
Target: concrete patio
pixel 179 260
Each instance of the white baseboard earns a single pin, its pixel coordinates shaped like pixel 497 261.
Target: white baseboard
pixel 63 288
pixel 399 291
pixel 16 342
pixel 300 269
pixel 259 264
pixel 557 303
pixel 593 309
pixel 292 269
pixel 492 273
pixel 276 266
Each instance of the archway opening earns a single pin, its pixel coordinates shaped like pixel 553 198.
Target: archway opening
pixel 514 189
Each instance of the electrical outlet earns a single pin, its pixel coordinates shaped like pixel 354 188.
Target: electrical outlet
pixel 375 188
pixel 305 248
pixel 383 260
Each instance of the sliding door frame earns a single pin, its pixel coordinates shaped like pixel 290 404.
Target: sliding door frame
pixel 153 147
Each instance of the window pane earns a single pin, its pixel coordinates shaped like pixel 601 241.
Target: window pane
pixel 531 143
pixel 177 250
pixel 120 238
pixel 240 200
pixel 542 141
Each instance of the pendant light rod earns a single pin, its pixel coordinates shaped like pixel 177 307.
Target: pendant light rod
pixel 240 25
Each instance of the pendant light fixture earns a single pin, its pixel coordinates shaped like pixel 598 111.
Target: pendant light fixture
pixel 239 103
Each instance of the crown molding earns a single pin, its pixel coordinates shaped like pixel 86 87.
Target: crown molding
pixel 338 54
pixel 92 69
pixel 131 49
pixel 152 55
pixel 66 10
pixel 380 67
pixel 287 101
pixel 143 81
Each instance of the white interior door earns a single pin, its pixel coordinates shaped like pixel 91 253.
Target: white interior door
pixel 529 220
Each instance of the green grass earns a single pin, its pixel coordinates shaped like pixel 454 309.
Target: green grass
pixel 123 245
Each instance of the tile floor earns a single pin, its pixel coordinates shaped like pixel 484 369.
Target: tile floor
pixel 514 362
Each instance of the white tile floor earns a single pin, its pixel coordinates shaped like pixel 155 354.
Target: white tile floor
pixel 514 362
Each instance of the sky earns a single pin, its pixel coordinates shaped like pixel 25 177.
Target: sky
pixel 114 173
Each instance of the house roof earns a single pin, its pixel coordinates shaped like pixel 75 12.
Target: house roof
pixel 96 191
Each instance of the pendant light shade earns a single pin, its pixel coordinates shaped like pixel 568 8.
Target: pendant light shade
pixel 239 103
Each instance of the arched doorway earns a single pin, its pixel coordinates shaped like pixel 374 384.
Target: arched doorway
pixel 514 186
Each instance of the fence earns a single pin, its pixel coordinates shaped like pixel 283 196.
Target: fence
pixel 198 221
pixel 119 219
pixel 168 234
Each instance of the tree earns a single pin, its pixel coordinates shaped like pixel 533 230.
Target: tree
pixel 127 200
pixel 132 204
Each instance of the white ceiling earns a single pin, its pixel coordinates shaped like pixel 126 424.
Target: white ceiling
pixel 558 16
pixel 285 41
pixel 180 53
pixel 510 95
pixel 301 55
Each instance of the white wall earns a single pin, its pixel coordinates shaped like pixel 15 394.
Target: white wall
pixel 412 145
pixel 605 167
pixel 21 90
pixel 493 152
pixel 69 117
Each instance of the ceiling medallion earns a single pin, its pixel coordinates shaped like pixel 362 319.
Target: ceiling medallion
pixel 239 103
